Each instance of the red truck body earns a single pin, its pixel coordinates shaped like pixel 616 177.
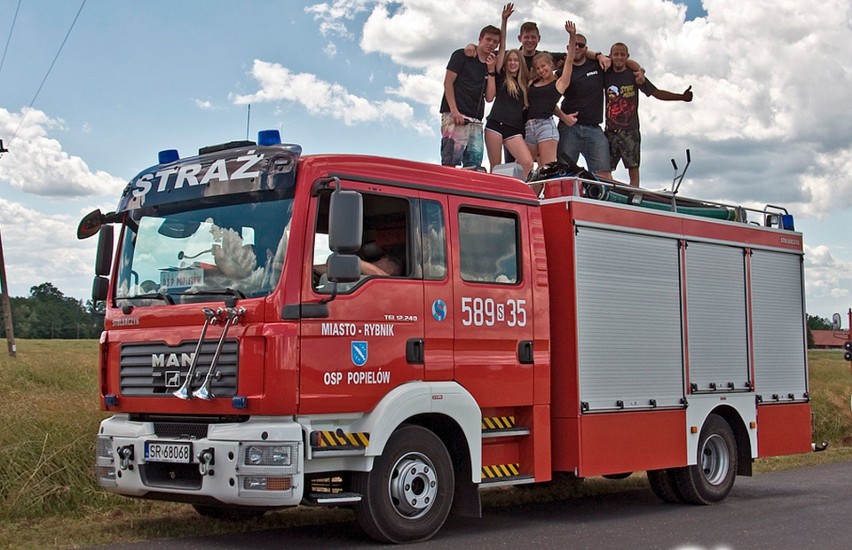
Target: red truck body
pixel 523 337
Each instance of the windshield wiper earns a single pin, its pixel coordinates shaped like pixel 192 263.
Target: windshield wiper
pixel 150 296
pixel 215 292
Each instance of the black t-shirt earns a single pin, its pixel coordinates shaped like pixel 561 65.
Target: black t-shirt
pixel 585 93
pixel 542 100
pixel 507 109
pixel 469 85
pixel 622 99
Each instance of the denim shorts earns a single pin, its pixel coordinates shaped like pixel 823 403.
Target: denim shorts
pixel 540 129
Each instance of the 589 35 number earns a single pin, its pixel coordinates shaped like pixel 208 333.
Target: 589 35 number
pixel 487 312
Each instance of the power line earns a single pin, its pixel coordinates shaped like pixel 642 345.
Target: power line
pixel 15 18
pixel 74 22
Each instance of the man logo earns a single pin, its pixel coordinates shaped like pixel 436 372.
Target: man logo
pixel 359 353
pixel 173 379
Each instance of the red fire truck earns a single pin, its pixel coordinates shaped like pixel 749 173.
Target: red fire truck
pixel 347 330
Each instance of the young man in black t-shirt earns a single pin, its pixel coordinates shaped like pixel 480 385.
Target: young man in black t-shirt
pixel 622 110
pixel 463 103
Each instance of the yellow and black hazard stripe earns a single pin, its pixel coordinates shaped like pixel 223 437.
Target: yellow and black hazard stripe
pixel 500 471
pixel 497 423
pixel 338 439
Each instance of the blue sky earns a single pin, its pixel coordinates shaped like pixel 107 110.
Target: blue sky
pixel 769 123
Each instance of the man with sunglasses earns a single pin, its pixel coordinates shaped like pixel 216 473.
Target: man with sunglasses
pixel 581 112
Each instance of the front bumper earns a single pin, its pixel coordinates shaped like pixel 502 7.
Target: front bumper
pixel 259 462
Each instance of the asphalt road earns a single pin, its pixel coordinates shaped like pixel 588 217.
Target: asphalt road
pixel 805 508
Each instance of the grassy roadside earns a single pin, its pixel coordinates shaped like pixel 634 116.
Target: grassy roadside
pixel 49 415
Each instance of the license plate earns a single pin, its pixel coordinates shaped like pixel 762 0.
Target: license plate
pixel 160 451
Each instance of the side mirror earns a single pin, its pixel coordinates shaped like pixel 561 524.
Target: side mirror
pixel 90 224
pixel 345 221
pixel 835 321
pixel 103 258
pixel 344 268
pixel 100 289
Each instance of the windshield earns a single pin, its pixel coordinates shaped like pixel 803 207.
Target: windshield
pixel 201 255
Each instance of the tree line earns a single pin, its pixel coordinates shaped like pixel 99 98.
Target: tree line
pixel 47 313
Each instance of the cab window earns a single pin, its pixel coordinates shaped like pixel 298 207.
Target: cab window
pixel 488 246
pixel 385 250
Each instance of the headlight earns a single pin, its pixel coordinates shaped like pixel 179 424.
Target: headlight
pixel 104 447
pixel 254 456
pixel 268 455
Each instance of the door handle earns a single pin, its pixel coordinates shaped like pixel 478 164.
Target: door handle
pixel 414 351
pixel 525 352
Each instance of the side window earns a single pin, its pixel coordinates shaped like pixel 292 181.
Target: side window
pixel 385 250
pixel 434 241
pixel 488 246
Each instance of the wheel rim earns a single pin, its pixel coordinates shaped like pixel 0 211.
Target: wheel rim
pixel 715 459
pixel 413 485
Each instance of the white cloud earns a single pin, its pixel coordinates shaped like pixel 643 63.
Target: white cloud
pixel 331 16
pixel 41 248
pixel 330 49
pixel 204 104
pixel 37 164
pixel 827 278
pixel 321 98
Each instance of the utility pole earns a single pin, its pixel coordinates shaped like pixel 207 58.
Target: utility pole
pixel 7 308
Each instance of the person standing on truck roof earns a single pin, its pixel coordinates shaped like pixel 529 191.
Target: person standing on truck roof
pixel 463 103
pixel 529 38
pixel 540 132
pixel 508 89
pixel 622 109
pixel 581 112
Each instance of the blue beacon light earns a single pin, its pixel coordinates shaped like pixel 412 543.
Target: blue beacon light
pixel 269 137
pixel 168 156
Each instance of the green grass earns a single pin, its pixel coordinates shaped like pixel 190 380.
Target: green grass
pixel 49 416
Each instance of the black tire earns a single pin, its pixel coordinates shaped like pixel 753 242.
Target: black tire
pixel 228 513
pixel 408 494
pixel 712 478
pixel 664 485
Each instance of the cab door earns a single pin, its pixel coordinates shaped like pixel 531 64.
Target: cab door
pixel 493 301
pixel 372 339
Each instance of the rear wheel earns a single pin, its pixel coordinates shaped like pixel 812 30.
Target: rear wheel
pixel 664 485
pixel 408 494
pixel 712 478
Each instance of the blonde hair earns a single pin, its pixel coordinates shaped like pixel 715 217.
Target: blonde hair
pixel 543 56
pixel 516 85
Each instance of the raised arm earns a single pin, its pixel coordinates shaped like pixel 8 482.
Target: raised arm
pixel 508 9
pixel 665 95
pixel 565 79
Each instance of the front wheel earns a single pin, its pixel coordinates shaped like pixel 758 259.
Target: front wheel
pixel 408 494
pixel 713 477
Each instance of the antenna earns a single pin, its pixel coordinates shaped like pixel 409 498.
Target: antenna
pixel 678 179
pixel 248 120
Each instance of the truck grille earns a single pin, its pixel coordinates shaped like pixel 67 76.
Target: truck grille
pixel 155 369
